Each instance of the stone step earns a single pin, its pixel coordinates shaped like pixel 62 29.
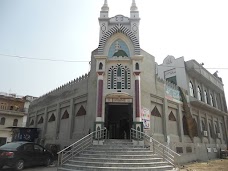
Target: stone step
pixel 123 156
pixel 117 149
pixel 109 164
pixel 119 160
pixel 116 142
pixel 116 155
pixel 153 169
pixel 118 152
pixel 93 168
pixel 117 146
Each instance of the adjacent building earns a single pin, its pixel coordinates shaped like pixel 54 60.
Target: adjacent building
pixel 205 97
pixel 125 89
pixel 13 113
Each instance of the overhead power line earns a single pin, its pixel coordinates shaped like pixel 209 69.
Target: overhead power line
pixel 62 60
pixel 40 59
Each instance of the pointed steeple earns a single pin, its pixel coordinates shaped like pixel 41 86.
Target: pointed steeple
pixel 133 6
pixel 104 10
pixel 134 13
pixel 105 6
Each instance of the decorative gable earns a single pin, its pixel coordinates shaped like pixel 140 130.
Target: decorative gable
pixel 81 111
pixel 155 112
pixel 32 122
pixel 172 117
pixel 119 28
pixel 65 115
pixel 41 120
pixel 52 118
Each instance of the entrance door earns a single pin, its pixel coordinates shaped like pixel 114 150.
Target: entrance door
pixel 118 120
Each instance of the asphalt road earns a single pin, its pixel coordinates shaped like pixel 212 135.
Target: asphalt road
pixel 38 168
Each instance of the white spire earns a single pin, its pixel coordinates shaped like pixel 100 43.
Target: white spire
pixel 133 6
pixel 105 6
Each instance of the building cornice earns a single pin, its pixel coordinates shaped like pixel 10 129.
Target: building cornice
pixel 11 113
pixel 196 103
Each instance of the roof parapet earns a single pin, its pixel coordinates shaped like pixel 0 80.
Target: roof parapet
pixel 72 82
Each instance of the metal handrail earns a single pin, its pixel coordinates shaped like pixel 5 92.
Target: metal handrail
pixel 165 152
pixel 71 151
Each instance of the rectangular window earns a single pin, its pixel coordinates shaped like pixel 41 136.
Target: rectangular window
pixel 189 149
pixel 179 150
pixel 118 85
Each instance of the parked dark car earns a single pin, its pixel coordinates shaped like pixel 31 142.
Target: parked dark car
pixel 22 154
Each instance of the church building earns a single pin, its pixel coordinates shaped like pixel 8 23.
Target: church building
pixel 126 89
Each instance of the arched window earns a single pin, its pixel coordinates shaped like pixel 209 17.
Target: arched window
pixel 203 125
pixel 185 127
pixel 199 93
pixel 217 128
pixel 205 96
pixel 223 131
pixel 112 79
pixel 196 127
pixel 137 66
pixel 191 89
pixel 3 120
pixel 15 122
pixel 119 77
pixel 212 100
pixel 119 72
pixel 100 66
pixel 211 130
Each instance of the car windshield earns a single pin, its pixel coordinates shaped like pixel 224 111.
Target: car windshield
pixel 11 146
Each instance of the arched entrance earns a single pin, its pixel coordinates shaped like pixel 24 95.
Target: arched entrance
pixel 118 116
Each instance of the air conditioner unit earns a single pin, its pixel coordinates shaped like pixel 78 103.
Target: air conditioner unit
pixel 218 135
pixel 205 133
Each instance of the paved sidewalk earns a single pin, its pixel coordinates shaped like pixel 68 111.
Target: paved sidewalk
pixel 211 165
pixel 36 168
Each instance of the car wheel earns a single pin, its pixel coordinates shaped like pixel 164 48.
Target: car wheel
pixel 20 165
pixel 47 161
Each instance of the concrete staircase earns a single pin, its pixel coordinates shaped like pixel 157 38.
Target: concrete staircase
pixel 116 155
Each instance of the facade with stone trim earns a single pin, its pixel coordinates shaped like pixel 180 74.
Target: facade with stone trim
pixel 126 88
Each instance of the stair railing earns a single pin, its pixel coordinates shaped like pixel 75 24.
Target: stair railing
pixel 71 151
pixel 165 152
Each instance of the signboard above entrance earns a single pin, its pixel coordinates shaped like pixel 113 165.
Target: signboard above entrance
pixel 119 100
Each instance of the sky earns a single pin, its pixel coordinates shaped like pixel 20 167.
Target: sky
pixel 69 30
